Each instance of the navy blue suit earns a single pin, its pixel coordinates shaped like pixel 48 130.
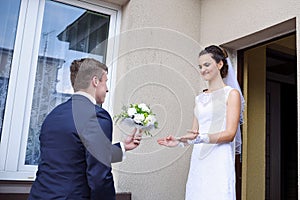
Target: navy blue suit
pixel 69 167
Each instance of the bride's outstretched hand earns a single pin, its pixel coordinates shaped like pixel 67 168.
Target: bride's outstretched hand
pixel 191 135
pixel 169 141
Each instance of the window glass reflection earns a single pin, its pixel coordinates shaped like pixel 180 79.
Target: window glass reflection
pixel 9 13
pixel 68 33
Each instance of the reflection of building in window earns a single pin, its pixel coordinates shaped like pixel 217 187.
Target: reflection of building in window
pixel 5 65
pixel 87 34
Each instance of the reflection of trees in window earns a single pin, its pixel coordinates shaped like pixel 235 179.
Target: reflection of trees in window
pixel 44 100
pixel 5 65
pixel 3 92
pixel 9 13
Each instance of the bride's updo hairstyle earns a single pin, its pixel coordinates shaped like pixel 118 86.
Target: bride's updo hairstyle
pixel 218 54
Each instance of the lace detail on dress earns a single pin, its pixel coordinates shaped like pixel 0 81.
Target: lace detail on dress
pixel 204 98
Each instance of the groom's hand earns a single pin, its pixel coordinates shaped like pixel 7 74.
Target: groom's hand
pixel 132 141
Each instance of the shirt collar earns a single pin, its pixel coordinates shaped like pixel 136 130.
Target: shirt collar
pixel 87 95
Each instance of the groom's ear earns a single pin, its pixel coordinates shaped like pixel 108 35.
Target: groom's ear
pixel 95 81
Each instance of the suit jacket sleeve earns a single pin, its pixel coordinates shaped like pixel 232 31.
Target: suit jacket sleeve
pixel 106 126
pixel 117 153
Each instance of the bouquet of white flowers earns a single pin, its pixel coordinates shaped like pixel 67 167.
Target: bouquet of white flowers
pixel 139 116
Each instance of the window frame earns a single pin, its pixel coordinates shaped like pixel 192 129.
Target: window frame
pixel 22 79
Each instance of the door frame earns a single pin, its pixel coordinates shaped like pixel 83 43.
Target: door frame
pixel 249 186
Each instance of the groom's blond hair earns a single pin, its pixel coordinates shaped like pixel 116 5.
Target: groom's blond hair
pixel 83 70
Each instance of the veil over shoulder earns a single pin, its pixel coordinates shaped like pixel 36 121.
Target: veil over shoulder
pixel 231 80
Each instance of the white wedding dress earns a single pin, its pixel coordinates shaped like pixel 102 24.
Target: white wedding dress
pixel 212 167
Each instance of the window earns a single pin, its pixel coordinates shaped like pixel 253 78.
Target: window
pixel 47 46
pixel 79 33
pixel 9 13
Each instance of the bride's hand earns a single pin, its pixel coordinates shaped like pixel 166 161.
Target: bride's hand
pixel 192 134
pixel 169 141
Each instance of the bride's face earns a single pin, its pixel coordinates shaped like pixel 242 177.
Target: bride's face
pixel 208 67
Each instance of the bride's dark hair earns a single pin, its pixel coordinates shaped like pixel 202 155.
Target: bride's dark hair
pixel 218 54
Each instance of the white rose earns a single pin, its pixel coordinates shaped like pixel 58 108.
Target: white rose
pixel 144 107
pixel 131 111
pixel 150 120
pixel 138 118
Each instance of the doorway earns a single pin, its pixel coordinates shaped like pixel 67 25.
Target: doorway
pixel 281 120
pixel 270 158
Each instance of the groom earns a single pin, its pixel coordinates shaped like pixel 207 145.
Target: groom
pixel 75 142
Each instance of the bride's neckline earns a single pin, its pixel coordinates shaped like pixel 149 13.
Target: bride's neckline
pixel 206 91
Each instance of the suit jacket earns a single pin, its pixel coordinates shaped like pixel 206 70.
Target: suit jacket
pixel 76 153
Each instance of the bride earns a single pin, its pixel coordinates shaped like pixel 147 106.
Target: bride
pixel 215 133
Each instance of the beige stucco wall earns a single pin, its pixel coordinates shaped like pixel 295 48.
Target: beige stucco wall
pixel 224 21
pixel 157 64
pixel 159 43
